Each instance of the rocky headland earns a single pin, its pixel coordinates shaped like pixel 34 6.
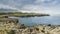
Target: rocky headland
pixel 18 14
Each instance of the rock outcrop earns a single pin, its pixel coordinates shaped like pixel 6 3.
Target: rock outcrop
pixel 17 28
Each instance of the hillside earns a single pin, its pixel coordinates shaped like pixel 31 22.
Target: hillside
pixel 20 14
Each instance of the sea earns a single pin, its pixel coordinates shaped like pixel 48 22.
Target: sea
pixel 30 21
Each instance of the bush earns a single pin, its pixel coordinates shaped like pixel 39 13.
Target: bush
pixel 31 30
pixel 22 26
pixel 37 29
pixel 49 25
pixel 11 32
pixel 6 16
pixel 43 31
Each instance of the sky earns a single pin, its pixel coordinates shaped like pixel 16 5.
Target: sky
pixel 40 6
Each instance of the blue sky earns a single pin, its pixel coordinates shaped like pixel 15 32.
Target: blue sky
pixel 40 6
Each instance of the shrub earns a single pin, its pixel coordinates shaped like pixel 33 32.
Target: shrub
pixel 49 25
pixel 11 32
pixel 6 16
pixel 31 30
pixel 43 31
pixel 37 29
pixel 22 26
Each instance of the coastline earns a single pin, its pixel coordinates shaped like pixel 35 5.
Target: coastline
pixel 18 14
pixel 12 26
pixel 18 28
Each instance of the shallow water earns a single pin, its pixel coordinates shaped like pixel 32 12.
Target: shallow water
pixel 30 21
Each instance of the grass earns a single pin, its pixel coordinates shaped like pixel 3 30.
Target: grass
pixel 19 14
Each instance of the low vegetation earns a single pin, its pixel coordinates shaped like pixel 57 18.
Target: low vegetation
pixel 20 14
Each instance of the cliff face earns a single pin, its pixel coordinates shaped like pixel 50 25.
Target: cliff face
pixel 17 28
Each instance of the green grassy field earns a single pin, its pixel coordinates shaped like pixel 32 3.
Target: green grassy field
pixel 19 14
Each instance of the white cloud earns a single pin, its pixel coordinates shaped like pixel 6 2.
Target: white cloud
pixel 42 6
pixel 47 2
pixel 53 10
pixel 8 7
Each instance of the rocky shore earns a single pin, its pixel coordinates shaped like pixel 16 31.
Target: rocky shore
pixel 16 28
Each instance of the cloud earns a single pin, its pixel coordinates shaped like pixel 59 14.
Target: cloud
pixel 47 2
pixel 42 6
pixel 2 6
